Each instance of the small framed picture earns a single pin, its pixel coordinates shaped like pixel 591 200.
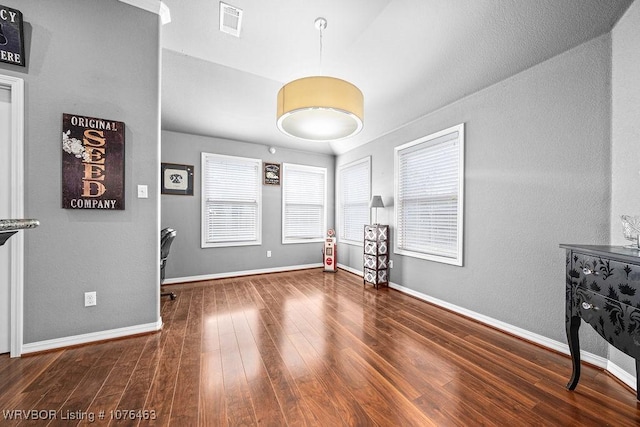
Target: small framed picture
pixel 272 173
pixel 177 179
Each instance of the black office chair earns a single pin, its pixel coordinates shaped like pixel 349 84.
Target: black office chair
pixel 166 239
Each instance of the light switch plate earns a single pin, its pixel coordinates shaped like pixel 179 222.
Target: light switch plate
pixel 143 192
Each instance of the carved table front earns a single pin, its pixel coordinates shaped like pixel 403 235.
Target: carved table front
pixel 603 289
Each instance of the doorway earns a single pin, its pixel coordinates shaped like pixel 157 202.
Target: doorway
pixel 11 206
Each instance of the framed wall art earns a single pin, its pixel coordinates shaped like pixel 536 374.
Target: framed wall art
pixel 176 179
pixel 272 173
pixel 92 163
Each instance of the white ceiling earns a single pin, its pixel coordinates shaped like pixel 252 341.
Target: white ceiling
pixel 409 57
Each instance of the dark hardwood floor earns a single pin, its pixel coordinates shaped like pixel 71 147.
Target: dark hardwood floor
pixel 308 348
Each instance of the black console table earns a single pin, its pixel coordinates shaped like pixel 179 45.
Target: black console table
pixel 4 236
pixel 603 289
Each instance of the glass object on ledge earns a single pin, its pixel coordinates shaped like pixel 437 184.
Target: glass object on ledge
pixel 631 230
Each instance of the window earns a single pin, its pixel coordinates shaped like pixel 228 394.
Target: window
pixel 353 203
pixel 231 201
pixel 429 176
pixel 304 203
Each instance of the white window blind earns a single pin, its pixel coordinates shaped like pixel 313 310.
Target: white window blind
pixel 355 194
pixel 231 201
pixel 304 200
pixel 429 196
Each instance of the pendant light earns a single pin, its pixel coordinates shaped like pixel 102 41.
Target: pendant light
pixel 320 108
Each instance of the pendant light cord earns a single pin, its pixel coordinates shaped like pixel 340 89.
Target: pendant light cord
pixel 321 24
pixel 320 49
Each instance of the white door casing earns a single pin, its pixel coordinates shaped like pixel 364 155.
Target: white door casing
pixel 5 206
pixel 15 245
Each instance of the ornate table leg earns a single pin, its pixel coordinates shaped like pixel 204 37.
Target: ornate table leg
pixel 573 324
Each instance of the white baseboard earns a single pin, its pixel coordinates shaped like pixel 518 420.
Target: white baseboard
pixel 350 269
pixel 90 337
pixel 240 273
pixel 150 327
pixel 622 375
pixel 601 362
pixel 543 341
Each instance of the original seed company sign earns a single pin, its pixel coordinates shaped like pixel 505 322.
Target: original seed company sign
pixel 11 36
pixel 92 163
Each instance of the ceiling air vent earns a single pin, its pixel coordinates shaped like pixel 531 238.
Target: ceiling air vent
pixel 230 19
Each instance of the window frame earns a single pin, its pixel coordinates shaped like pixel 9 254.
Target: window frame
pixel 430 141
pixel 341 212
pixel 203 222
pixel 285 181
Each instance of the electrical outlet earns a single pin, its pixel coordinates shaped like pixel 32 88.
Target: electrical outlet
pixel 90 299
pixel 390 263
pixel 268 254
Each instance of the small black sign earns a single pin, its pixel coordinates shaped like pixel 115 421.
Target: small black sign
pixel 11 36
pixel 272 173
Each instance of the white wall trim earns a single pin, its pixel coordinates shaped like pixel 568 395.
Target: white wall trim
pixel 541 340
pixel 91 337
pixel 599 361
pixel 153 6
pixel 240 273
pixel 350 269
pixel 16 243
pixel 622 375
pixel 158 172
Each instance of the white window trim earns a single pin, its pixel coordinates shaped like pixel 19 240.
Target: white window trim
pixel 340 218
pixel 458 260
pixel 204 243
pixel 285 166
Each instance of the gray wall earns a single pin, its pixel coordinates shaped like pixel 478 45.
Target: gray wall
pixel 625 134
pixel 537 175
pixel 85 57
pixel 187 259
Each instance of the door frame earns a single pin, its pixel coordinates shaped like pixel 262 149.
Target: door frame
pixel 16 243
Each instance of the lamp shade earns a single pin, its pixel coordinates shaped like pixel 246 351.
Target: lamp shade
pixel 320 108
pixel 376 202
